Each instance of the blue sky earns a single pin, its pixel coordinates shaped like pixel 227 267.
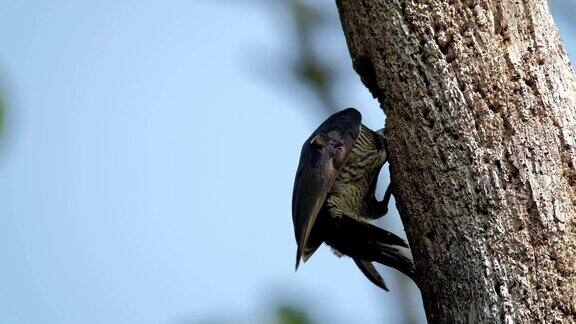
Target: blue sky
pixel 147 170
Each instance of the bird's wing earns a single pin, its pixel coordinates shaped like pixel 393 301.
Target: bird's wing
pixel 323 154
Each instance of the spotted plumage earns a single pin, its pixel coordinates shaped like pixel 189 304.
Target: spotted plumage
pixel 334 196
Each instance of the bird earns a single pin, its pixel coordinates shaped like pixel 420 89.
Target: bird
pixel 334 198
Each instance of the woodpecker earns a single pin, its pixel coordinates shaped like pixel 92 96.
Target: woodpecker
pixel 333 197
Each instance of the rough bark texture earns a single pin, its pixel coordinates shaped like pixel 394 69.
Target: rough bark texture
pixel 480 100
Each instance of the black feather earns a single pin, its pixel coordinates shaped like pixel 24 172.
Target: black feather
pixel 364 241
pixel 322 155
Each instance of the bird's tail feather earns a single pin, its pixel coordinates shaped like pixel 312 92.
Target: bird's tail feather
pixel 364 241
pixel 370 272
pixel 392 256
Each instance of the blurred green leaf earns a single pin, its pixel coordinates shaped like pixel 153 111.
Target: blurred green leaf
pixel 288 314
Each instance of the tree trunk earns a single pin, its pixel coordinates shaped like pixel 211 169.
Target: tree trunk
pixel 480 100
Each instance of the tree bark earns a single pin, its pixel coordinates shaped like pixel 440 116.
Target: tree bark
pixel 480 103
